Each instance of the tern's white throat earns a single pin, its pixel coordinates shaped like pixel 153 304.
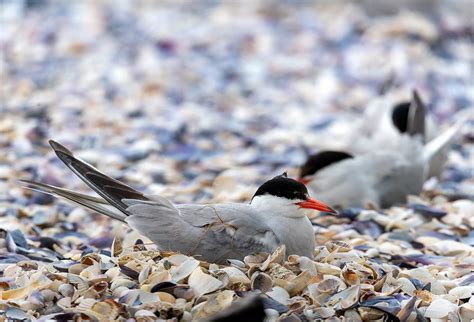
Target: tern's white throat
pixel 278 206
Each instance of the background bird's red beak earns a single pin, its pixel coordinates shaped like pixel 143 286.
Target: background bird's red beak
pixel 316 205
pixel 303 180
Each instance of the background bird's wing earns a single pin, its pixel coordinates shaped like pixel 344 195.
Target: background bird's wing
pixel 417 117
pixel 215 232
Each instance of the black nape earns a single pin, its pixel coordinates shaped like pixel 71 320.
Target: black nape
pixel 321 160
pixel 400 116
pixel 282 186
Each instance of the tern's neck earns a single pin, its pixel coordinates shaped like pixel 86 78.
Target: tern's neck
pixel 277 206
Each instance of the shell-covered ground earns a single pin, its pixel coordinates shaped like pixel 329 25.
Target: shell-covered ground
pixel 202 102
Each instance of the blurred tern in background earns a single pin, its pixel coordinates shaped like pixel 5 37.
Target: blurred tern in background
pixel 391 165
pixel 276 215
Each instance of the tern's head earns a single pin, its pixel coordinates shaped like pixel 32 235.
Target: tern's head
pixel 287 196
pixel 320 160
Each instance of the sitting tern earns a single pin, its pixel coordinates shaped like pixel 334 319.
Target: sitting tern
pixel 275 216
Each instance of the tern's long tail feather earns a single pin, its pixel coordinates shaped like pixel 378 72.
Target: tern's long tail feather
pixel 91 202
pixel 435 151
pixel 113 191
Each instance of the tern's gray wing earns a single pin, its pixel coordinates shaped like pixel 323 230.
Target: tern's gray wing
pixel 215 232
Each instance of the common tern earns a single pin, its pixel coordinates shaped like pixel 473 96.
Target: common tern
pixel 275 216
pixel 381 177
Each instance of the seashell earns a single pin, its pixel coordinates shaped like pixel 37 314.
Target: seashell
pixel 424 295
pixel 314 313
pixel 330 284
pixel 184 269
pixel 116 247
pixel 279 294
pixel 236 275
pixel 15 314
pixel 261 281
pixel 407 309
pixel 255 259
pixel 466 312
pixel 440 308
pixel 405 285
pixel 178 259
pixel 338 246
pixel 36 300
pixel 147 297
pixel 113 272
pixel 306 264
pixel 64 303
pixel 145 313
pixel 352 315
pixel 345 299
pixel 371 314
pixel 164 287
pixel 236 263
pixel 279 272
pixel 166 297
pixel 76 269
pixel 82 285
pixel 277 257
pixel 462 292
pixel 292 317
pixel 108 309
pixel 23 292
pixel 122 282
pixel 48 295
pixel 350 276
pixel 299 283
pixel 119 291
pixel 66 290
pixel 154 279
pixel 129 297
pixel 215 304
pixel 27 265
pixel 203 283
pixel 325 268
pixel 90 259
pixel 143 275
pixel 184 292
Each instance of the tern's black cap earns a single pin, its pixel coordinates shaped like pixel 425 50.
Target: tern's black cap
pixel 321 160
pixel 400 116
pixel 282 186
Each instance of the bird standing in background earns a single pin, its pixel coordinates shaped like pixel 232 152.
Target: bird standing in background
pixel 389 165
pixel 275 216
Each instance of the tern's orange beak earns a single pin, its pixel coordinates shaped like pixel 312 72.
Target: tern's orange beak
pixel 316 205
pixel 303 181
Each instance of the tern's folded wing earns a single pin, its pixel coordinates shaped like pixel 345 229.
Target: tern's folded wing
pixel 213 232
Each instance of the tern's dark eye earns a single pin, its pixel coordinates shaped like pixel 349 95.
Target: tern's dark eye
pixel 284 187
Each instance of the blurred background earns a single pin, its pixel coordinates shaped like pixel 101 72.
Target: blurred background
pixel 204 100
